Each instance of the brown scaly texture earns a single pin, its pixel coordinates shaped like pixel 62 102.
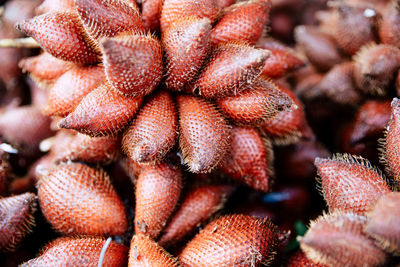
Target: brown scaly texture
pixel 338 240
pixel 16 219
pixel 384 221
pixel 199 204
pixel 158 188
pixel 299 259
pixel 78 199
pixel 62 35
pixel 231 68
pixel 250 158
pixel 186 45
pixel 151 10
pixel 350 184
pixel 84 251
pixel 244 21
pixel 204 133
pixel 233 240
pixel 102 112
pixel 69 89
pixel 144 252
pixel 154 131
pixel 133 63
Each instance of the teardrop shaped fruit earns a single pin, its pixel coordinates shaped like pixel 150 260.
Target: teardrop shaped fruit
pixel 204 133
pixel 77 199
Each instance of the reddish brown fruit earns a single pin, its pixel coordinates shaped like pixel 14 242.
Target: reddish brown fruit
pixel 55 6
pixel 62 35
pixel 233 240
pixel 69 90
pixel 199 204
pixel 231 68
pixel 154 131
pixel 186 45
pixel 224 3
pixel 339 240
pixel 244 21
pixel 250 158
pixel 151 11
pixel 257 104
pixel 376 67
pixel 5 169
pixel 16 219
pixel 389 26
pixel 299 259
pixel 133 63
pixel 204 134
pixel 102 112
pixel 78 199
pixel 84 251
pixel 350 183
pixel 146 252
pixel 158 188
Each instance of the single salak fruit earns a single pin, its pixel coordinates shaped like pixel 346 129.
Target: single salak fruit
pixel 338 239
pixel 204 133
pixel 384 221
pixel 16 219
pixel 154 130
pixel 158 188
pixel 133 63
pixel 375 68
pixel 55 5
pixel 151 11
pixel 255 105
pixel 232 240
pixel 80 251
pixel 197 206
pixel 299 259
pixel 349 183
pixel 78 199
pixel 186 44
pixel 389 25
pixel 244 21
pixel 102 112
pixel 62 35
pixel 231 68
pixel 71 87
pixel 145 252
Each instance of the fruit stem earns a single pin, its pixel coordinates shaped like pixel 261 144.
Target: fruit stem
pixel 19 43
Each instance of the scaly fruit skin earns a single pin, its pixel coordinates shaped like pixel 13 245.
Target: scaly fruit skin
pixel 299 259
pixel 144 252
pixel 82 251
pixel 16 219
pixel 158 188
pixel 154 130
pixel 389 29
pixel 151 10
pixel 204 133
pixel 78 199
pixel 232 240
pixel 350 184
pixel 338 239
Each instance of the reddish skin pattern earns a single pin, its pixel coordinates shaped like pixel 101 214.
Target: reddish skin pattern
pixel 16 219
pixel 383 223
pixel 255 105
pixel 244 21
pixel 204 134
pixel 389 25
pixel 158 188
pixel 79 200
pixel 198 205
pixel 107 18
pixel 173 10
pixel 144 252
pixel 299 259
pixel 133 63
pixel 4 172
pixel 282 59
pixel 55 5
pixel 154 131
pixel 62 35
pixel 69 89
pixel 376 67
pixel 391 151
pixel 84 251
pixel 224 3
pixel 102 112
pixel 250 158
pixel 186 44
pixel 339 240
pixel 151 10
pixel 350 183
pixel 233 240
pixel 231 68
pixel 371 120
